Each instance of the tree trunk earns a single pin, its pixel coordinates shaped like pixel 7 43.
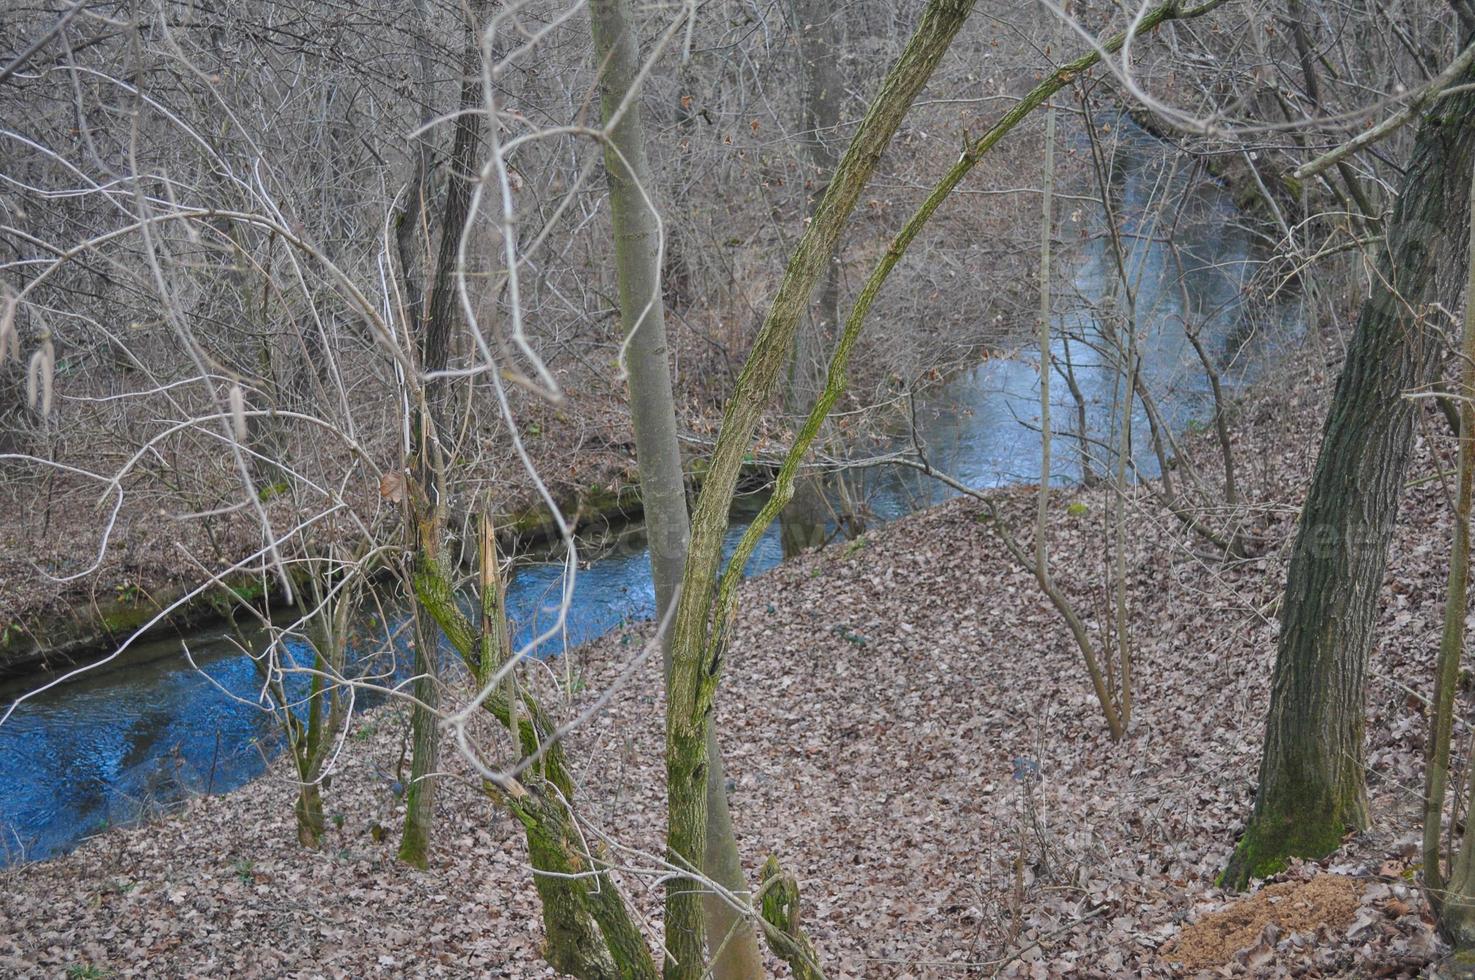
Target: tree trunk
pixel 1115 700
pixel 642 315
pixel 425 526
pixel 312 743
pixel 591 934
pixel 434 335
pixel 309 813
pixel 638 244
pixel 1311 772
pixel 706 608
pixel 444 302
pixel 696 662
pixel 802 525
pixel 1455 904
pixel 414 845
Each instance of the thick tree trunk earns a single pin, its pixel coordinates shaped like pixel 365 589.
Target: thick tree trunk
pixel 1311 773
pixel 730 936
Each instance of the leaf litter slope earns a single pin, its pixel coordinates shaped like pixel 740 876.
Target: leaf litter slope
pixel 906 725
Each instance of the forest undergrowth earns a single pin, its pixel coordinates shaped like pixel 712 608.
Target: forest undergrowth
pixel 907 725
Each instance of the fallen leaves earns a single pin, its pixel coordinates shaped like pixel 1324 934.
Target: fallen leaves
pixel 945 790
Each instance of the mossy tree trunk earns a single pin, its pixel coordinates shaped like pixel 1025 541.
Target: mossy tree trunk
pixel 437 314
pixel 638 247
pixel 590 932
pixel 784 926
pixel 698 644
pixel 425 525
pixel 1311 771
pixel 707 608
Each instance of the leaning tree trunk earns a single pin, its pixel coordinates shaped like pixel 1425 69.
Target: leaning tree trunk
pixel 706 609
pixel 637 236
pixel 1311 771
pixel 696 663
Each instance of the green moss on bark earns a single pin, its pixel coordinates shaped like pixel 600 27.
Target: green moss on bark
pixel 1269 843
pixel 309 812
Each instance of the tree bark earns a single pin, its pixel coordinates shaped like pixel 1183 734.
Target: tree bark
pixel 1453 902
pixel 637 234
pixel 781 911
pixel 425 523
pixel 434 336
pixel 696 663
pixel 802 525
pixel 590 932
pixel 1311 772
pixel 443 301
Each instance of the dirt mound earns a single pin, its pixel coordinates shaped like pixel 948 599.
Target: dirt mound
pixel 1292 906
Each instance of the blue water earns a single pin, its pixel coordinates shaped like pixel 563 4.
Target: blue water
pixel 122 741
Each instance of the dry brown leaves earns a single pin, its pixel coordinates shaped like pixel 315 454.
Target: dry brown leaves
pixel 905 724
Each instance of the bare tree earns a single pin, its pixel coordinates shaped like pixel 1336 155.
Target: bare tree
pixel 1453 894
pixel 638 247
pixel 703 614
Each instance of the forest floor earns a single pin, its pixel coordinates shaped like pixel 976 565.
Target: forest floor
pixel 908 727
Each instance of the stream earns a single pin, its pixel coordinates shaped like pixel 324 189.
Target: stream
pixel 126 740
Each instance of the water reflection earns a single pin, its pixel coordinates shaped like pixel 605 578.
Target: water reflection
pixel 121 741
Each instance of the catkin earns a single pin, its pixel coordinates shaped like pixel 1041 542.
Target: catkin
pixel 9 339
pixel 39 376
pixel 238 411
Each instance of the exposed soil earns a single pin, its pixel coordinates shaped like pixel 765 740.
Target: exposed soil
pixel 1324 901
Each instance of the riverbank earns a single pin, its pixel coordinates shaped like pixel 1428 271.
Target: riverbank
pixel 75 582
pixel 76 576
pixel 887 707
pixel 55 635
